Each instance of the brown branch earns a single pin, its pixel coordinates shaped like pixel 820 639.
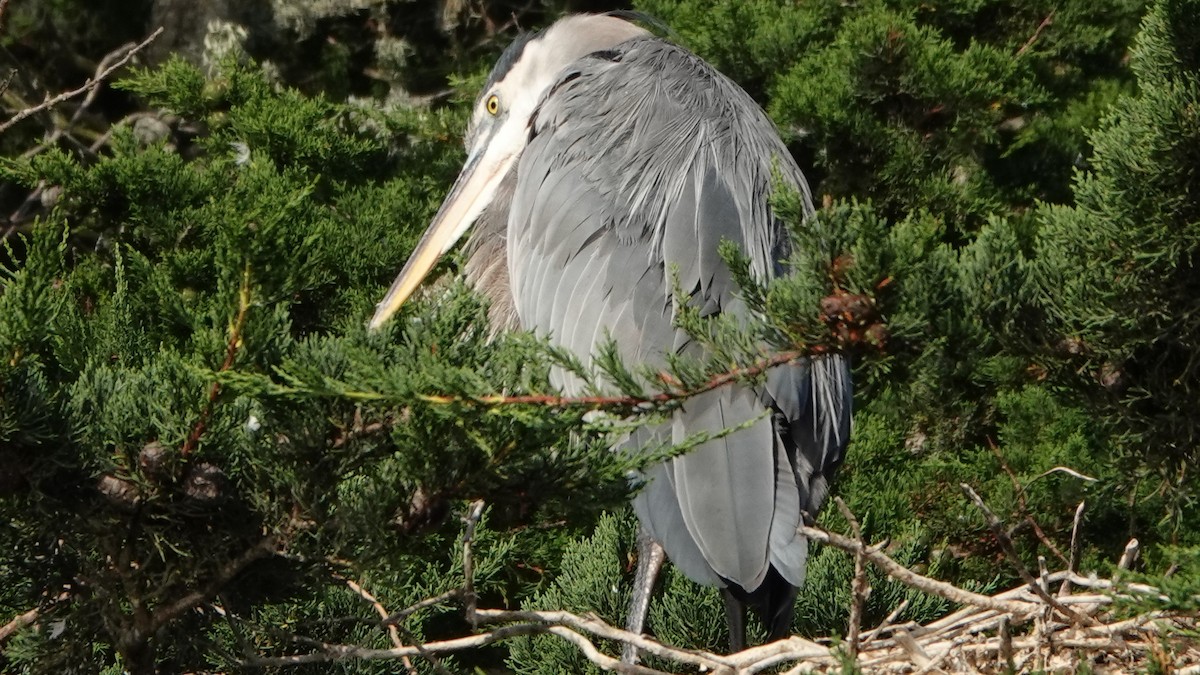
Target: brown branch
pixel 600 629
pixel 134 639
pixel 860 587
pixel 231 350
pixel 555 401
pixel 1010 552
pixel 1037 33
pixel 427 602
pixel 333 653
pixel 3 11
pixel 164 615
pixel 393 631
pixel 19 621
pixel 87 87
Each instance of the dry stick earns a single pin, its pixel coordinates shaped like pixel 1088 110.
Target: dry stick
pixel 914 650
pixel 1128 557
pixel 19 621
pixel 1037 33
pixel 908 577
pixel 163 615
pixel 1023 503
pixel 859 587
pixel 334 653
pixel 1006 647
pixel 756 659
pixel 601 629
pixel 599 658
pixel 1065 588
pixel 1010 552
pixel 3 9
pixel 91 84
pixel 474 513
pixel 887 621
pixel 393 631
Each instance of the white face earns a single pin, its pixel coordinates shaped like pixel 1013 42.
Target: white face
pixel 498 133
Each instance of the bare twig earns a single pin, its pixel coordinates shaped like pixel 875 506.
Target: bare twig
pixel 1037 33
pixel 87 87
pixel 1023 502
pixel 427 602
pixel 598 628
pixel 1128 556
pixel 1073 564
pixel 18 622
pixel 860 587
pixel 393 631
pixel 148 623
pixel 474 513
pixel 1010 552
pixel 332 653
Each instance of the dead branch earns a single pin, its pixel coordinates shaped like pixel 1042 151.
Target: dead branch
pixel 1010 552
pixel 19 621
pixel 860 588
pixel 87 87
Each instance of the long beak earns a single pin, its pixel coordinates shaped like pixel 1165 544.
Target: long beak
pixel 472 192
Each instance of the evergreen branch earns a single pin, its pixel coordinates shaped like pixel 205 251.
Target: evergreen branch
pixel 1036 33
pixel 393 631
pixel 418 606
pixel 555 401
pixel 1010 552
pixel 598 628
pixel 136 637
pixel 231 350
pixel 92 83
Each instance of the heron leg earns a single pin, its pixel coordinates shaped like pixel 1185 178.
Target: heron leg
pixel 735 617
pixel 650 560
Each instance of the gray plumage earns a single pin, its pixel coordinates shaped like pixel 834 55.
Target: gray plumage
pixel 636 157
pixel 642 157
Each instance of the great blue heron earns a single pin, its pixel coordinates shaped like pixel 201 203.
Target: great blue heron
pixel 600 159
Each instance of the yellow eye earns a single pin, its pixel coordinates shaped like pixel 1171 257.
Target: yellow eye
pixel 493 104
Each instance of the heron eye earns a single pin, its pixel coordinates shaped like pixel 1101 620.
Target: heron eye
pixel 493 104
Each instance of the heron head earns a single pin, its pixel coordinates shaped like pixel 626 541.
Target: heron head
pixel 498 133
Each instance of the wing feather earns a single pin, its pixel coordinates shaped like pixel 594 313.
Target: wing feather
pixel 641 160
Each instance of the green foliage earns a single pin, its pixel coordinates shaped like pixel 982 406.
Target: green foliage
pixel 1118 269
pixel 186 371
pixel 964 109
